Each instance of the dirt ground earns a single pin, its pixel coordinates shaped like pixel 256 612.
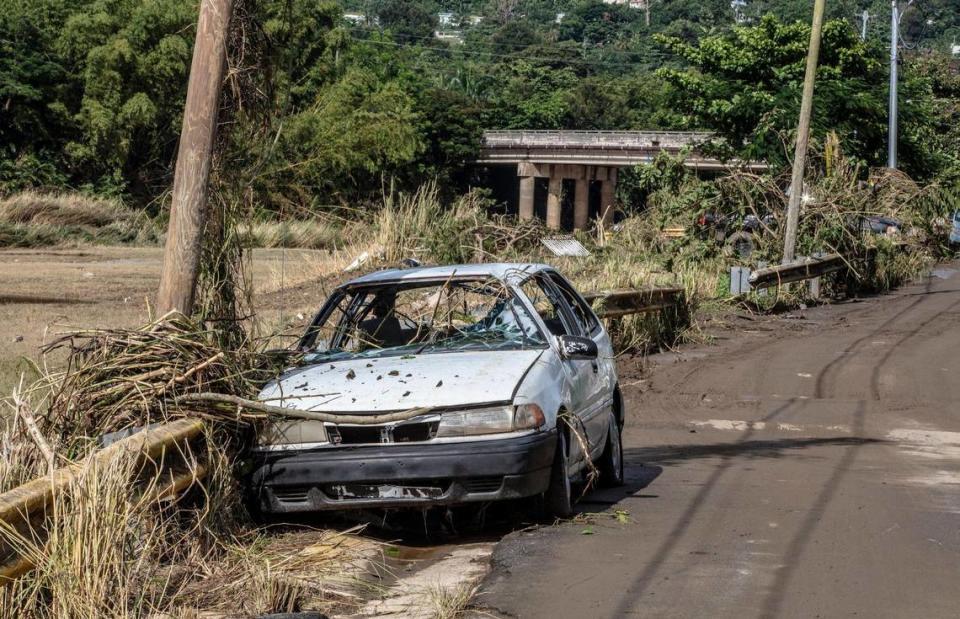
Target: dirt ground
pixel 48 291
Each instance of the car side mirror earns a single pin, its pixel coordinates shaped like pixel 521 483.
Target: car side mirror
pixel 576 347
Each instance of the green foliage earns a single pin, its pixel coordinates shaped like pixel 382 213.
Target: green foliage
pixel 319 110
pixel 746 85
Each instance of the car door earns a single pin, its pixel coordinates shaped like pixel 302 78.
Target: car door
pixel 600 374
pixel 557 316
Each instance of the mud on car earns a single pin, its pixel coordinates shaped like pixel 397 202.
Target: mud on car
pixel 509 373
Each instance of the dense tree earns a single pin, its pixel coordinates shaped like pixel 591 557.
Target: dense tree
pixel 91 91
pixel 745 85
pixel 408 19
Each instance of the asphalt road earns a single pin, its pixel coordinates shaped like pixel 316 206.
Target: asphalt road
pixel 805 465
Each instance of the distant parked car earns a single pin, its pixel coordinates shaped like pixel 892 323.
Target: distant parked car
pixel 879 224
pixel 955 228
pixel 492 355
pixel 736 233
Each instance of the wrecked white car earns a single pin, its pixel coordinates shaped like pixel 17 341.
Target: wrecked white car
pixel 511 373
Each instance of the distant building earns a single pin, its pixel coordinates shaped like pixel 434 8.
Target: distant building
pixel 955 50
pixel 738 6
pixel 633 4
pixel 475 20
pixel 446 19
pixel 355 18
pixel 559 18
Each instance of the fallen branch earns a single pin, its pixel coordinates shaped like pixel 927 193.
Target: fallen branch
pixel 23 412
pixel 293 413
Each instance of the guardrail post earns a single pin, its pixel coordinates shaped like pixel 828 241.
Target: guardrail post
pixel 814 287
pixel 739 280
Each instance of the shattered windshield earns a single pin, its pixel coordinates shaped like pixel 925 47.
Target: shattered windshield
pixel 423 317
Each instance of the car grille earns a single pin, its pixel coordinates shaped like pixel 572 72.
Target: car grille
pixel 490 483
pixel 400 489
pixel 292 495
pixel 411 432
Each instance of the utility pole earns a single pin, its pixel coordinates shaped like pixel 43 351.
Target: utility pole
pixel 803 135
pixel 181 258
pixel 894 47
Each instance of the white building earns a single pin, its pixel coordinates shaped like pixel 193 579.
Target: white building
pixel 955 50
pixel 633 4
pixel 446 19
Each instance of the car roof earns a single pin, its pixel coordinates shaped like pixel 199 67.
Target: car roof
pixel 510 272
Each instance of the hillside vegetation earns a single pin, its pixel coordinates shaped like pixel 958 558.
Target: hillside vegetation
pixel 322 112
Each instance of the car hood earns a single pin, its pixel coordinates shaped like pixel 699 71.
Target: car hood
pixel 435 380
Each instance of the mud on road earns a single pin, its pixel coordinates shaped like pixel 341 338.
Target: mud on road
pixel 804 465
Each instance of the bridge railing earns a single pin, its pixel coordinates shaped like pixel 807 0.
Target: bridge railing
pixel 591 139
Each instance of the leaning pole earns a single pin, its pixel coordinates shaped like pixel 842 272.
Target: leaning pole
pixel 803 135
pixel 181 258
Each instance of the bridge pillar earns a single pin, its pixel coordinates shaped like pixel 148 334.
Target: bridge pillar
pixel 554 199
pixel 526 197
pixel 581 203
pixel 608 192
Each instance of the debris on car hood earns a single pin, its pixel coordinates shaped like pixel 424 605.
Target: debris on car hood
pixel 434 380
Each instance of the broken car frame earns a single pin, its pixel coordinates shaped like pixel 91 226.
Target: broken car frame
pixel 511 363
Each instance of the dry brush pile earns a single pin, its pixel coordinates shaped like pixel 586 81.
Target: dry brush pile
pixel 120 549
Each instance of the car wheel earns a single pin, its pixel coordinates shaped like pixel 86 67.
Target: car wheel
pixel 558 501
pixel 611 462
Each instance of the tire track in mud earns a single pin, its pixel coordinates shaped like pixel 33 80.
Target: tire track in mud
pixel 833 367
pixel 796 547
pixel 767 352
pixel 635 591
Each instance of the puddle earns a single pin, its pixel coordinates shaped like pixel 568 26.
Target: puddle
pixel 934 444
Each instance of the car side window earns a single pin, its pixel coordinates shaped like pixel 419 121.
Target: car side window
pixel 582 313
pixel 546 304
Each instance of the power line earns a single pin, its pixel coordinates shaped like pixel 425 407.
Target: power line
pixel 516 46
pixel 555 60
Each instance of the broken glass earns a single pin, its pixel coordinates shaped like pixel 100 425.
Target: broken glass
pixel 404 318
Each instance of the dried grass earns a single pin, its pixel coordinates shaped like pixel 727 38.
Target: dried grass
pixel 33 218
pixel 450 602
pixel 306 234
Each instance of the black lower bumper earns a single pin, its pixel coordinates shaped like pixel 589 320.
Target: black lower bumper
pixel 402 475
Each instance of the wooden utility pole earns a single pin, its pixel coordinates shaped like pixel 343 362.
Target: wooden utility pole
pixel 181 258
pixel 803 135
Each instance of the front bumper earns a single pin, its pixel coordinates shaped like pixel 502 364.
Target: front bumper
pixel 402 475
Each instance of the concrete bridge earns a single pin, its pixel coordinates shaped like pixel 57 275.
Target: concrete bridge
pixel 587 157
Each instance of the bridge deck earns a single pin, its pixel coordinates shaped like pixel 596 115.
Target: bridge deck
pixel 602 148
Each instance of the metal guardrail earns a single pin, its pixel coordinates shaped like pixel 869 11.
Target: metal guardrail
pixel 806 268
pixel 617 303
pixel 162 453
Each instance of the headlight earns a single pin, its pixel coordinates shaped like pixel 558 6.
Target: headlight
pixel 292 433
pixel 528 417
pixel 493 420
